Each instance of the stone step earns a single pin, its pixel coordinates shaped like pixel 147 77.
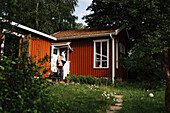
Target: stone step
pixel 114 108
pixel 118 96
pixel 118 104
pixel 111 111
pixel 119 100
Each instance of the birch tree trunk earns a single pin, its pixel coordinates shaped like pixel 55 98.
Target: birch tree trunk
pixel 166 68
pixel 37 7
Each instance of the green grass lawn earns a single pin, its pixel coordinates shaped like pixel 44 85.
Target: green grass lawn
pixel 76 98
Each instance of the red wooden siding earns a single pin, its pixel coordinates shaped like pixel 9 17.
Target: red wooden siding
pixel 40 48
pixel 82 58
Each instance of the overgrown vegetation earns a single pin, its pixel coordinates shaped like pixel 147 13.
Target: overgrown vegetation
pixel 22 84
pixel 77 98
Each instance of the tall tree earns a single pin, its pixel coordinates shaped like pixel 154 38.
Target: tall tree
pixel 47 16
pixel 148 24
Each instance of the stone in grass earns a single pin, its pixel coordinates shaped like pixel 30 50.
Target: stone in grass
pixel 113 108
pixel 111 111
pixel 119 100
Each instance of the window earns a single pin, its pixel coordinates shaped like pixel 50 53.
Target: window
pixel 122 48
pixel 101 53
pixel 55 51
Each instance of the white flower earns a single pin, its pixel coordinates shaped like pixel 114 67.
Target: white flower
pixel 105 92
pixel 108 97
pixel 90 88
pixel 114 99
pixel 151 95
pixel 111 94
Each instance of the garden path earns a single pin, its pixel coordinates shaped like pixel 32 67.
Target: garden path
pixel 117 106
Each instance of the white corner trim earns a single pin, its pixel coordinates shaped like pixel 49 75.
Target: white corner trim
pixel 113 58
pixel 32 30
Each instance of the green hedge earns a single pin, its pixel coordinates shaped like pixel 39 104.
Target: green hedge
pixel 90 80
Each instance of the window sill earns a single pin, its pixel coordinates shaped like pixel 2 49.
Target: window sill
pixel 100 67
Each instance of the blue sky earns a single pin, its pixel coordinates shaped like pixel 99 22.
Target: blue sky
pixel 80 10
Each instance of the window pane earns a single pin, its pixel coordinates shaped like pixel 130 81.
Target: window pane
pixel 98 64
pixel 104 50
pixel 104 63
pixel 55 51
pixel 98 57
pixel 98 47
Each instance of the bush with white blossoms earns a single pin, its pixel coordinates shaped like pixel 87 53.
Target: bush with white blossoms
pixel 108 95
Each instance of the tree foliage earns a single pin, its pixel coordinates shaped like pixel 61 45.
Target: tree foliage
pixel 147 22
pixel 47 16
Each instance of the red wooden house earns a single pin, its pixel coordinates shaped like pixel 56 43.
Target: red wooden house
pixel 94 51
pixel 38 43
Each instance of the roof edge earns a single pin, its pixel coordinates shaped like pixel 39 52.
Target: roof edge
pixel 32 30
pixel 85 36
pixel 116 32
pixel 28 29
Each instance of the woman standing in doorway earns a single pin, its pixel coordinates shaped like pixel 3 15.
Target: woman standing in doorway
pixel 60 64
pixel 64 56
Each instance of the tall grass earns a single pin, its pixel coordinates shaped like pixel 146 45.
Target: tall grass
pixel 77 98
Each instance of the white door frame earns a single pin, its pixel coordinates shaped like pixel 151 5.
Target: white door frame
pixel 66 67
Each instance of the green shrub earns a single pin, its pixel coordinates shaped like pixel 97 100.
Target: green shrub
pixel 90 80
pixel 20 90
pixel 74 78
pixel 82 79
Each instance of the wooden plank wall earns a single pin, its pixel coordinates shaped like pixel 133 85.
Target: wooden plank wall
pixel 40 48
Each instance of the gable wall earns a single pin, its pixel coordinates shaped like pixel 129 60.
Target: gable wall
pixel 82 58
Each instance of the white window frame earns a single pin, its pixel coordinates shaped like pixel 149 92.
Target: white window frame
pixel 94 63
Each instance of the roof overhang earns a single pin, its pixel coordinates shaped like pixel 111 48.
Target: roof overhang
pixel 61 44
pixel 29 29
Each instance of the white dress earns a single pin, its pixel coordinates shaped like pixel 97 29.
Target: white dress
pixel 64 56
